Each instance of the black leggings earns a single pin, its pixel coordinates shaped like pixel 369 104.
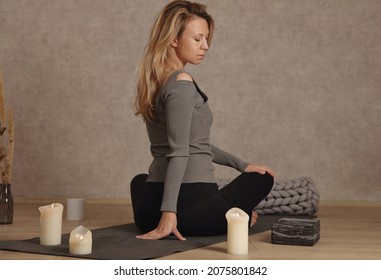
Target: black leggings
pixel 201 207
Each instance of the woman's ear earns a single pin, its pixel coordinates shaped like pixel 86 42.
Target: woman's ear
pixel 175 43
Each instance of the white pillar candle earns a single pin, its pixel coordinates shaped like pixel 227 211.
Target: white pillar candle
pixel 51 224
pixel 238 232
pixel 74 209
pixel 80 242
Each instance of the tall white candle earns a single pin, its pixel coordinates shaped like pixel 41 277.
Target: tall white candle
pixel 80 242
pixel 238 232
pixel 51 224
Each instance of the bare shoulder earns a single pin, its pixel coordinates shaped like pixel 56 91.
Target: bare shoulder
pixel 183 76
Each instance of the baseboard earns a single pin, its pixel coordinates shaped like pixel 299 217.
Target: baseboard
pixel 127 200
pixel 353 203
pixel 90 200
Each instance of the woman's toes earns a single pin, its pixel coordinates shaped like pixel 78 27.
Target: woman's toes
pixel 254 217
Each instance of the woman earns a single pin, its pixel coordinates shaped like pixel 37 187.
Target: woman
pixel 180 195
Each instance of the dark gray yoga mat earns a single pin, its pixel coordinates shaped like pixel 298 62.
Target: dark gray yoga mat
pixel 119 243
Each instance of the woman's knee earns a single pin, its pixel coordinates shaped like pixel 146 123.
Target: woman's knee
pixel 269 181
pixel 266 181
pixel 138 180
pixel 137 186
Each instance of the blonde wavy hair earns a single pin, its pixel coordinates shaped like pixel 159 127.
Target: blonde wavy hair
pixel 159 57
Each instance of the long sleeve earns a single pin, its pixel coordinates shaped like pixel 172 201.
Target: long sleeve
pixel 179 105
pixel 224 158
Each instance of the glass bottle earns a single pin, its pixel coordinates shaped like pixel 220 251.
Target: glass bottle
pixel 6 204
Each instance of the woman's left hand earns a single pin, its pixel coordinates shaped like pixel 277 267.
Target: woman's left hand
pixel 261 169
pixel 166 226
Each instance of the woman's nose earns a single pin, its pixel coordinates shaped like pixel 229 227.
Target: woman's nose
pixel 204 45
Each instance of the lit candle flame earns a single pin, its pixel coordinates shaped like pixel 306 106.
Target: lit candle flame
pixel 79 236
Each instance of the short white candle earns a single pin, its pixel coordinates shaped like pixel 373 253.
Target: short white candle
pixel 74 209
pixel 238 232
pixel 81 241
pixel 51 224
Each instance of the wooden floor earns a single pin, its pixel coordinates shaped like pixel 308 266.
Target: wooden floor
pixel 347 233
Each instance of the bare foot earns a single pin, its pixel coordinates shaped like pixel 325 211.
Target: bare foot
pixel 254 217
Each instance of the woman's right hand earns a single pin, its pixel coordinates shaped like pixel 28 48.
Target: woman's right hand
pixel 261 169
pixel 167 226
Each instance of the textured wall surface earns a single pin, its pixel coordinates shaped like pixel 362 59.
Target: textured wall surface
pixel 293 84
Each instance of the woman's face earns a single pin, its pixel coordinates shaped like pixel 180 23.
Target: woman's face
pixel 192 45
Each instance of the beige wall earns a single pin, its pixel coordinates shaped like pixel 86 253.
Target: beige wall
pixel 293 84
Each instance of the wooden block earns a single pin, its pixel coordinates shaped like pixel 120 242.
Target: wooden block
pixel 295 231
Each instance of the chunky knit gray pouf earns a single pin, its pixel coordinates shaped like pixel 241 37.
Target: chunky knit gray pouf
pixel 296 196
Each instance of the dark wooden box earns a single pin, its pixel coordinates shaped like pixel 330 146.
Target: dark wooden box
pixel 295 231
